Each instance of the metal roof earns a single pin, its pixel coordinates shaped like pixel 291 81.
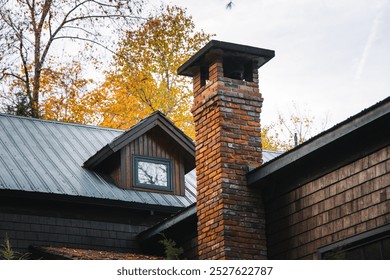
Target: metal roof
pixel 46 157
pixel 270 155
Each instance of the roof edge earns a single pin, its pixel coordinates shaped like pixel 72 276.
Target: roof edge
pixel 168 223
pixel 96 201
pixel 157 118
pixel 323 139
pixel 61 122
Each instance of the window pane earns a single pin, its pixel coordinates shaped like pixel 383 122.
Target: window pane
pixel 354 254
pixel 374 247
pixel 337 254
pixel 152 173
pixel 386 248
pixel 372 251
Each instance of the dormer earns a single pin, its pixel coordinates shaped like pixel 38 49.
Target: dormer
pixel 152 156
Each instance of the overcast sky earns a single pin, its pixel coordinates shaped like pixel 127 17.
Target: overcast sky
pixel 331 56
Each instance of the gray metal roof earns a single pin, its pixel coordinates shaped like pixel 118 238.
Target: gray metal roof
pixel 46 157
pixel 270 155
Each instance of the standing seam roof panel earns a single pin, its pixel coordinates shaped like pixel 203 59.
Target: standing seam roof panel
pixel 86 176
pixel 8 175
pixel 69 165
pixel 72 163
pixel 45 156
pixel 50 155
pixel 25 168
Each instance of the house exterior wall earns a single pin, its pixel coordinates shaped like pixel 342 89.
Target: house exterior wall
pixel 351 200
pixel 71 226
pixel 26 230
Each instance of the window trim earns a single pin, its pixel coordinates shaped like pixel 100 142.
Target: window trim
pixel 155 160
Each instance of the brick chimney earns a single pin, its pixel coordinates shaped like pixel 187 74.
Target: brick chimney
pixel 226 109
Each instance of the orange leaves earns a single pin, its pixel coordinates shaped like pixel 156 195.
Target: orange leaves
pixel 144 79
pixel 63 90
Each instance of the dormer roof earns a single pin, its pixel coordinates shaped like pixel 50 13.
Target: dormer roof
pixel 156 119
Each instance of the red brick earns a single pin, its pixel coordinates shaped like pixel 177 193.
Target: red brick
pixel 227 128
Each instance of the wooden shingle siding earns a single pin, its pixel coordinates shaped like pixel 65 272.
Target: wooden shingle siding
pixel 26 230
pixel 348 201
pixel 153 144
pixel 44 223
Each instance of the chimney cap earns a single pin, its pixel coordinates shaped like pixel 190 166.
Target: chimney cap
pixel 216 48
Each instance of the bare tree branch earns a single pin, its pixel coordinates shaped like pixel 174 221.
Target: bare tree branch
pixel 29 30
pixel 86 40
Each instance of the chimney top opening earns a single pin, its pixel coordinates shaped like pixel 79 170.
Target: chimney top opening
pixel 239 61
pixel 238 69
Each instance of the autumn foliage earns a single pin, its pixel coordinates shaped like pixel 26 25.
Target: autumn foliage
pixel 143 75
pixel 29 30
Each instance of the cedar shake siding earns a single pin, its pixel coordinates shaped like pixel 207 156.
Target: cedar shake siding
pixel 29 222
pixel 349 201
pixel 330 196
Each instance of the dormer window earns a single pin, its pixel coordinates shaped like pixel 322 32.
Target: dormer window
pixel 154 173
pixel 152 156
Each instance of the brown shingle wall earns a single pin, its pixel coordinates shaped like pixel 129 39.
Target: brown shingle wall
pixel 343 203
pixel 26 230
pixel 54 223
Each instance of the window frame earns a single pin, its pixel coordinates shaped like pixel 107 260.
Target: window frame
pixel 357 241
pixel 167 162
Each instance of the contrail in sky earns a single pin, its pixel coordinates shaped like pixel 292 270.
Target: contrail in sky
pixel 370 41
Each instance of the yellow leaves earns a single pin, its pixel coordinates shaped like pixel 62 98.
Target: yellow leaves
pixel 270 139
pixel 63 91
pixel 144 79
pixel 291 129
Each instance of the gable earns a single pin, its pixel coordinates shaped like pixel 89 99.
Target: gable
pixel 155 146
pixel 156 119
pixel 152 156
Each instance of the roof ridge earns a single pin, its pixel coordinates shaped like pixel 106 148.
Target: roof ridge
pixel 60 122
pixel 164 116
